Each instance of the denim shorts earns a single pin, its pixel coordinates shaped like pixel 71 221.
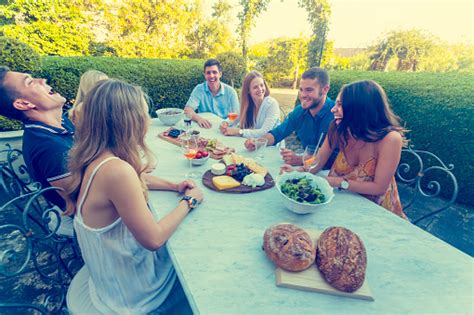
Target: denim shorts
pixel 175 304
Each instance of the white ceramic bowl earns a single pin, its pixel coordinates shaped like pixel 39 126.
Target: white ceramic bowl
pixel 300 207
pixel 201 161
pixel 170 116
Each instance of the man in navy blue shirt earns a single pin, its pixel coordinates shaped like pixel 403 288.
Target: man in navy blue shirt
pixel 310 119
pixel 48 136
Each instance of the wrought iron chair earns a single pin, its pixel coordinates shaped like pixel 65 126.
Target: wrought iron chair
pixel 31 245
pixel 426 174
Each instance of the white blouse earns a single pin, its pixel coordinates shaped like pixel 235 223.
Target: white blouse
pixel 268 117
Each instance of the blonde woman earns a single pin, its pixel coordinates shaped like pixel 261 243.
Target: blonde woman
pixel 259 112
pixel 127 268
pixel 87 82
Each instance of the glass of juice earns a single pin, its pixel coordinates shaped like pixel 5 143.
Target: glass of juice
pixel 190 149
pixel 232 116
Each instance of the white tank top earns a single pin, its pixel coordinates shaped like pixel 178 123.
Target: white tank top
pixel 125 277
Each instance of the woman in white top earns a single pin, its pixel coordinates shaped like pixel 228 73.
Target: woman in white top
pixel 127 268
pixel 259 113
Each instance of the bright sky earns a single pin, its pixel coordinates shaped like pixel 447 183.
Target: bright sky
pixel 358 23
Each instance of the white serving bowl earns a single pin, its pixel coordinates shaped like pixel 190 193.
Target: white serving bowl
pixel 300 207
pixel 201 161
pixel 164 114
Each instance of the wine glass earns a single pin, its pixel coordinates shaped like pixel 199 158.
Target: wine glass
pixel 232 116
pixel 310 159
pixel 190 149
pixel 281 146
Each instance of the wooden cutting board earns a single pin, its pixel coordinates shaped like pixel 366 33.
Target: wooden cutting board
pixel 242 189
pixel 177 142
pixel 312 280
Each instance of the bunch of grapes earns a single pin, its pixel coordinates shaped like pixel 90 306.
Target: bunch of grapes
pixel 240 172
pixel 174 133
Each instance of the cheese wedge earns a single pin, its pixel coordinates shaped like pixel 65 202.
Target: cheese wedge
pixel 228 160
pixel 237 158
pixel 255 167
pixel 224 182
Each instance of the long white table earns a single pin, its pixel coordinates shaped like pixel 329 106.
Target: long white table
pixel 219 260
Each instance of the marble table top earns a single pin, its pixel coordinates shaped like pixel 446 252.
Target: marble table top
pixel 217 250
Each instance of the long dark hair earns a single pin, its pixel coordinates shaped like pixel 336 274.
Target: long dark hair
pixel 247 106
pixel 366 114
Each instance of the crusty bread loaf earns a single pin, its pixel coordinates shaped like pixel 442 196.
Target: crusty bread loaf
pixel 341 259
pixel 289 247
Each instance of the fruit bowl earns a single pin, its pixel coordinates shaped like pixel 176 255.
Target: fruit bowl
pixel 199 162
pixel 304 207
pixel 170 116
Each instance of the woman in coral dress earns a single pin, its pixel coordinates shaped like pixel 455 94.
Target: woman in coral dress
pixel 370 139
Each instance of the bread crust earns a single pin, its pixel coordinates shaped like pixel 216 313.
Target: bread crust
pixel 289 247
pixel 341 258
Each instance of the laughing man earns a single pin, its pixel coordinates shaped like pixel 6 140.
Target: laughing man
pixel 212 96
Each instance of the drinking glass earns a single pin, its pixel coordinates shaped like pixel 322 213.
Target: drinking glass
pixel 232 116
pixel 260 145
pixel 281 146
pixel 310 160
pixel 190 149
pixel 187 121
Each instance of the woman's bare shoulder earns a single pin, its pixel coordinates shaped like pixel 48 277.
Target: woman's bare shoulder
pixel 392 139
pixel 117 170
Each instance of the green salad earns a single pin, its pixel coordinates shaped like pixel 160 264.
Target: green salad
pixel 301 190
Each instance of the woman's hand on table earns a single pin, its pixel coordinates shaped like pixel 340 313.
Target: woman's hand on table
pixel 196 193
pixel 203 123
pixel 223 127
pixel 334 181
pixel 184 185
pixel 232 131
pixel 250 144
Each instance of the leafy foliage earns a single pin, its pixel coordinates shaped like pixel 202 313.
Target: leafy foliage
pixel 319 12
pixel 167 82
pixel 18 56
pixel 251 9
pixel 233 68
pixel 436 108
pixel 49 27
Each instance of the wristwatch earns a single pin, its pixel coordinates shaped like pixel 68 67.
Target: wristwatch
pixel 241 132
pixel 344 185
pixel 192 202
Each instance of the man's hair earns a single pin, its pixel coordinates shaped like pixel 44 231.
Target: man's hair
pixel 318 74
pixel 7 97
pixel 213 62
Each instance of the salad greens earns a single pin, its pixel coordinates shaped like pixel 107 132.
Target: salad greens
pixel 301 190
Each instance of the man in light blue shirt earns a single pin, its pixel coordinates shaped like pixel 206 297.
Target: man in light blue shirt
pixel 212 96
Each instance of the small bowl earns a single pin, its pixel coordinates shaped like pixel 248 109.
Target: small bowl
pixel 302 207
pixel 199 162
pixel 170 116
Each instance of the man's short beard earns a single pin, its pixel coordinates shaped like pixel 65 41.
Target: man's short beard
pixel 316 101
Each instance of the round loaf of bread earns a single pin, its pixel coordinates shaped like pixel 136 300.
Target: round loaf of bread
pixel 289 247
pixel 341 258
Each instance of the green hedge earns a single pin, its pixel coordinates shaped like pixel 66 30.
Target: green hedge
pixel 168 82
pixel 438 110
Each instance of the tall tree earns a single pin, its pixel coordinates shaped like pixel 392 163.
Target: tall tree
pixel 152 28
pixel 409 47
pixel 211 36
pixel 319 13
pixel 251 9
pixel 50 27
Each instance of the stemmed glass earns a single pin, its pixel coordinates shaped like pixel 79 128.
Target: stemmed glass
pixel 190 149
pixel 310 159
pixel 232 116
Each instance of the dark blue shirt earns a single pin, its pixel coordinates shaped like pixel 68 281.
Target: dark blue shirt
pixel 45 151
pixel 307 128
